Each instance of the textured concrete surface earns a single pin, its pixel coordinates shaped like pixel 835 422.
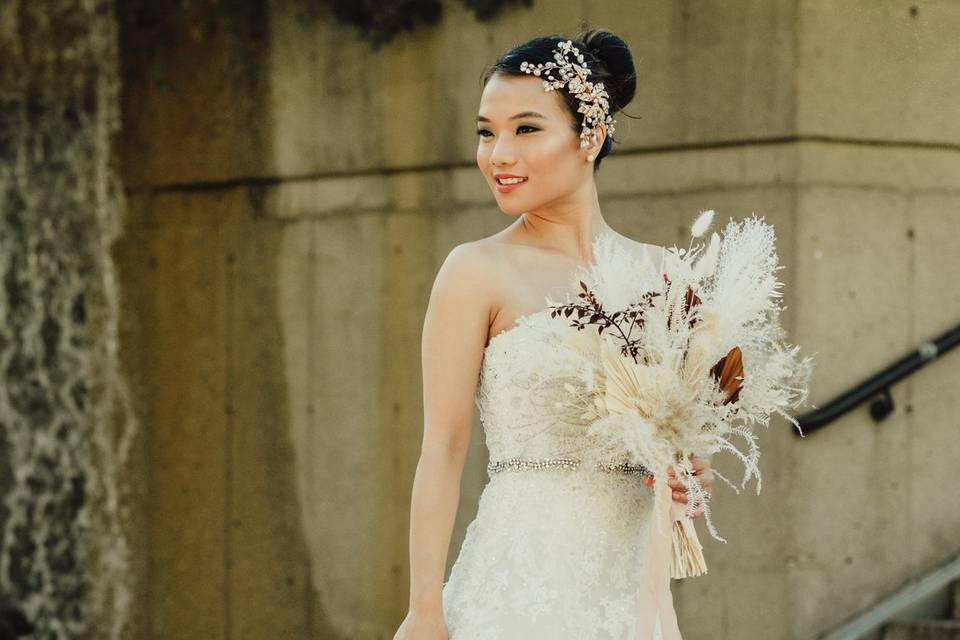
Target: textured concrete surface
pixel 292 198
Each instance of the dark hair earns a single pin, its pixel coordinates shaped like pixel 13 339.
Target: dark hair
pixel 608 57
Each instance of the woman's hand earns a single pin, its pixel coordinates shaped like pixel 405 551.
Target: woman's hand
pixel 420 626
pixel 701 469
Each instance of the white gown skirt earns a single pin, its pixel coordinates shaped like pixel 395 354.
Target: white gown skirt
pixel 553 554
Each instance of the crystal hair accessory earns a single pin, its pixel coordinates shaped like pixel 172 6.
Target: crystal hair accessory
pixel 574 71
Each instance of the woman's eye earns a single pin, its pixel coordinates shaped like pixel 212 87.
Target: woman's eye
pixel 484 133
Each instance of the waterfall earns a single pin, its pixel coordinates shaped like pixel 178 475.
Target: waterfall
pixel 66 423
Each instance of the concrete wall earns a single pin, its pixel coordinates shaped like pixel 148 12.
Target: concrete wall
pixel 292 193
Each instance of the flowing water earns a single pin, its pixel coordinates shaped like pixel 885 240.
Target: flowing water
pixel 65 420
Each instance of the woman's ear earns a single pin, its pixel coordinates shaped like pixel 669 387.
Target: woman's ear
pixel 593 150
pixel 601 135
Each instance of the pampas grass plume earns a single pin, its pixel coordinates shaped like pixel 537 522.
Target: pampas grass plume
pixel 703 222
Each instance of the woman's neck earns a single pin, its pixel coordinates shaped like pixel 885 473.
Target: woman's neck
pixel 572 237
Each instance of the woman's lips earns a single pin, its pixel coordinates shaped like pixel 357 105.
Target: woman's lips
pixel 507 188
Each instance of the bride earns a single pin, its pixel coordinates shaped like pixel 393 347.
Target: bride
pixel 557 549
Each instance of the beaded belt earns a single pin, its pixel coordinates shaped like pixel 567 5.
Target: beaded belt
pixel 516 464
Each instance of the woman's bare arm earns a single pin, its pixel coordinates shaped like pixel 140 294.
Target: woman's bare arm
pixel 454 334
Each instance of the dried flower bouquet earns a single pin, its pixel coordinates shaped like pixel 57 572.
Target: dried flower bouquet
pixel 691 355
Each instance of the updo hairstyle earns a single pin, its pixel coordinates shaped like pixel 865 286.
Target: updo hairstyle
pixel 610 62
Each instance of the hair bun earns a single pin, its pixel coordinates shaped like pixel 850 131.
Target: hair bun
pixel 620 79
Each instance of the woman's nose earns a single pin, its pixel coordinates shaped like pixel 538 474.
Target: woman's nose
pixel 503 152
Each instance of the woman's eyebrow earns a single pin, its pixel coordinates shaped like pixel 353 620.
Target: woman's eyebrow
pixel 525 114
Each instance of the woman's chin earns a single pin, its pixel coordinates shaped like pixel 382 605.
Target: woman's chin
pixel 511 210
pixel 510 206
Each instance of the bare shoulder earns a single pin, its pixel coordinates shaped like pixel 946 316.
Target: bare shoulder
pixel 468 264
pixel 465 279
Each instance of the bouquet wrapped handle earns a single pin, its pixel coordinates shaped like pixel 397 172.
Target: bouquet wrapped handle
pixel 654 598
pixel 687 553
pixel 673 551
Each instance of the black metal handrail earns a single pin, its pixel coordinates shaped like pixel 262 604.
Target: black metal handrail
pixel 877 387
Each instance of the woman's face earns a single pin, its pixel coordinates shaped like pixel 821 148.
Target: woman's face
pixel 527 132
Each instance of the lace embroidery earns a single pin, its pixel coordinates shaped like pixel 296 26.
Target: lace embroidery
pixel 524 396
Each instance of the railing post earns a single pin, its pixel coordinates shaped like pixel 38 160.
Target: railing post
pixel 881 406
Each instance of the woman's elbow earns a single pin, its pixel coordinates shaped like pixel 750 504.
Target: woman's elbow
pixel 452 444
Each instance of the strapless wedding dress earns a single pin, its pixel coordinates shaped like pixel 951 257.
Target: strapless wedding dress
pixel 558 545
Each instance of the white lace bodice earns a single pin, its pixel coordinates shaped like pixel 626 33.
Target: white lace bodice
pixel 523 396
pixel 527 382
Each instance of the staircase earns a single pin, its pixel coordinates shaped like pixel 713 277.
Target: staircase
pixel 925 608
pixel 929 629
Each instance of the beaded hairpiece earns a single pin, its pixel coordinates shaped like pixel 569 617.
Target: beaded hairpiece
pixel 574 72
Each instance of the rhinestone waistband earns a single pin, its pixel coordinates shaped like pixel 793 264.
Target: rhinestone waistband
pixel 518 464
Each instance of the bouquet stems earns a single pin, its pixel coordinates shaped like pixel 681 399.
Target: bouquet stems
pixel 686 551
pixel 687 558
